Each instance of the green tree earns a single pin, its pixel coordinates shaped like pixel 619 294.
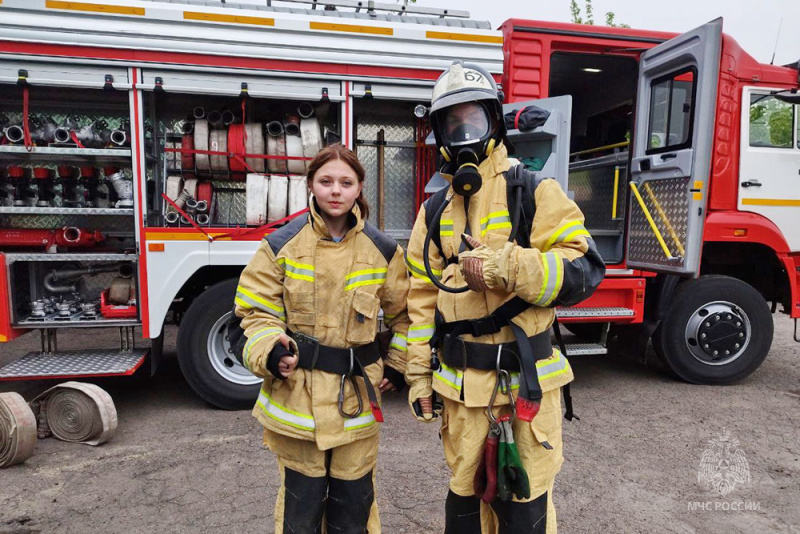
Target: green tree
pixel 577 18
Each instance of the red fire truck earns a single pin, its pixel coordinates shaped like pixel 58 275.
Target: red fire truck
pixel 148 146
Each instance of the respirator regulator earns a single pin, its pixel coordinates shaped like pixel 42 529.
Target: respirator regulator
pixel 466 116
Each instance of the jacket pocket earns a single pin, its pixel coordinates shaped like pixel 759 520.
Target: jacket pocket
pixel 362 321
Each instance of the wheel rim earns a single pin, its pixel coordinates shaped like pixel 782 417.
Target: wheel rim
pixel 718 333
pixel 223 361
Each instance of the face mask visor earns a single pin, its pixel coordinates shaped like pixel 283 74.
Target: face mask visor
pixel 465 124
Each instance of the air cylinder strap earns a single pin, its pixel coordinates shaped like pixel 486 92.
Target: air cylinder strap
pixel 76 412
pixel 17 429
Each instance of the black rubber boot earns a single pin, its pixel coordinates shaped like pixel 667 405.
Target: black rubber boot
pixel 349 503
pixel 462 514
pixel 303 503
pixel 522 517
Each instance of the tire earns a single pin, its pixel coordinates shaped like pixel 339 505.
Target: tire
pixel 586 331
pixel 707 317
pixel 211 371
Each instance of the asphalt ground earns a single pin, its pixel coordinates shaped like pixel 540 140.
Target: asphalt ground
pixel 632 461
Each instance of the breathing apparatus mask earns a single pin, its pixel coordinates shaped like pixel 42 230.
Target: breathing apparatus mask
pixel 466 117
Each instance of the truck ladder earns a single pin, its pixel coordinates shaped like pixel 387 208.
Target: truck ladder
pixel 371 7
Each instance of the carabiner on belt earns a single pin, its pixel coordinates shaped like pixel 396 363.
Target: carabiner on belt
pixel 352 378
pixel 503 385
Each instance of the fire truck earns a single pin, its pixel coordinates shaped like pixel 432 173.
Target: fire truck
pixel 148 146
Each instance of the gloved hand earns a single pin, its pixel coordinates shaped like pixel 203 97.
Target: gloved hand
pixel 283 358
pixel 482 267
pixel 424 404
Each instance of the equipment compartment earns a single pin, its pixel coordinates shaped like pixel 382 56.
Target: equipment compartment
pixel 210 147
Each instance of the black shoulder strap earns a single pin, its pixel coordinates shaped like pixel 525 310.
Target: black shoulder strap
pixel 278 239
pixel 432 205
pixel 385 244
pixel 519 177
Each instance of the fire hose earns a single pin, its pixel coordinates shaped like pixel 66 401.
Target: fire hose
pixel 17 429
pixel 76 412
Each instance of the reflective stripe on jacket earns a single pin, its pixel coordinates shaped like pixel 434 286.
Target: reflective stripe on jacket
pixel 553 271
pixel 301 278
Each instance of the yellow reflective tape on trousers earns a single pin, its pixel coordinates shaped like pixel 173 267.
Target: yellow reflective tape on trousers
pixel 421 334
pixel 284 415
pixel 450 376
pixel 361 421
pixel 247 299
pixel 366 277
pixel 400 342
pixel 418 271
pixel 298 271
pixel 553 273
pixel 255 339
pixel 495 220
pixel 568 232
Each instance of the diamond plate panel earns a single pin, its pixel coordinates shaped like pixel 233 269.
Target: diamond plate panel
pixel 229 206
pixel 75 363
pixel 594 194
pixel 399 185
pixel 668 203
pixel 104 223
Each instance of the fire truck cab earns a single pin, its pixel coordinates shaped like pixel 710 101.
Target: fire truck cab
pixel 147 147
pixel 684 157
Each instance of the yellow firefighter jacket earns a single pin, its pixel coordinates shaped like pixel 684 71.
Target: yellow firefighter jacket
pixel 549 273
pixel 301 279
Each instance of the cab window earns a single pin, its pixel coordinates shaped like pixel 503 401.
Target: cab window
pixel 771 122
pixel 672 101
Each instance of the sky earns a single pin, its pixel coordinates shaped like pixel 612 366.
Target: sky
pixel 754 24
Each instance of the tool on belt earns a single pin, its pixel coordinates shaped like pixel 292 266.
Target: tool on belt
pixel 500 472
pixel 348 363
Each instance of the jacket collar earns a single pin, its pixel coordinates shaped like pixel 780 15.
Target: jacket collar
pixel 354 220
pixel 496 163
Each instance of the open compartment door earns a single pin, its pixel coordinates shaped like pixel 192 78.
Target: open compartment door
pixel 672 147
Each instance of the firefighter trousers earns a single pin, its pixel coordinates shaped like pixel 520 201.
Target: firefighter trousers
pixel 463 434
pixel 329 491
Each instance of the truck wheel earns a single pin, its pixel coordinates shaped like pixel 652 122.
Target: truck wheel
pixel 212 371
pixel 717 330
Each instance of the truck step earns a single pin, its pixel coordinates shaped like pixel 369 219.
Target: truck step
pixel 594 312
pixel 585 349
pixel 71 364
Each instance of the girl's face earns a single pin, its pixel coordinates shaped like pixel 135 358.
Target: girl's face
pixel 336 187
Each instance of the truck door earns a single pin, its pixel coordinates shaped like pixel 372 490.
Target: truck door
pixel 672 146
pixel 770 160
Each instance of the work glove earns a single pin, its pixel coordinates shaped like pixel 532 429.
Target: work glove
pixel 485 481
pixel 484 268
pixel 515 473
pixel 279 367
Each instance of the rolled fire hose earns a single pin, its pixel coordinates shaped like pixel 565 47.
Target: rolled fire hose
pixel 201 143
pixel 278 189
pixel 218 142
pixel 174 189
pixel 236 145
pixel 76 412
pixel 187 159
pixel 17 429
pixel 257 196
pixel 190 186
pixel 254 144
pixel 312 139
pixel 298 194
pixel 276 146
pixel 294 149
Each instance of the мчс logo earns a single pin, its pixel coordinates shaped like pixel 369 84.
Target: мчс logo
pixel 723 466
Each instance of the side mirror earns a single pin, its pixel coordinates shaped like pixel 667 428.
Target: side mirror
pixel 790 96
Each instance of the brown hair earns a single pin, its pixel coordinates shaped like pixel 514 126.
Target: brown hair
pixel 342 153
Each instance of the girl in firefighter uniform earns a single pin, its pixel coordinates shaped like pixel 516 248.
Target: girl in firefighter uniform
pixel 309 301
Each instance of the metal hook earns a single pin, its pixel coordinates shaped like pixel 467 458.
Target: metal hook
pixel 360 407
